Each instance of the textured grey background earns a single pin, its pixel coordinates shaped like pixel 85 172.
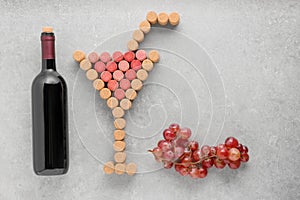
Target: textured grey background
pixel 255 45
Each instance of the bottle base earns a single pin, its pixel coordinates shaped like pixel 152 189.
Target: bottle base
pixel 51 172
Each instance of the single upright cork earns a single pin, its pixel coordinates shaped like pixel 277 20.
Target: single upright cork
pixel 119 145
pixel 120 123
pixel 118 112
pixel 108 168
pixel 119 135
pixel 91 74
pixel 78 55
pixel 105 93
pixel 112 102
pixel 132 45
pixel 47 29
pixel 152 17
pixel 138 35
pixel 120 168
pixel 163 18
pixel 98 84
pixel 85 64
pixel 174 18
pixel 154 56
pixel 147 65
pixel 136 84
pixel 131 169
pixel 145 26
pixel 142 74
pixel 120 157
pixel 130 94
pixel 125 104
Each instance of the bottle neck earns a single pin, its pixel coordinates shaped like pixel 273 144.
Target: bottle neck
pixel 48 51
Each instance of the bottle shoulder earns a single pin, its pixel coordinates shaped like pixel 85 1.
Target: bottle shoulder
pixel 49 77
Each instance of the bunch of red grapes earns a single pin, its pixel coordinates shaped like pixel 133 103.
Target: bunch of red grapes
pixel 188 159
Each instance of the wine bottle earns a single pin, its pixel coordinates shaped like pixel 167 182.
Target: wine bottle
pixel 49 114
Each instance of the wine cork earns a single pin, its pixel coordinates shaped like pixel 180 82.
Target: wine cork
pixel 93 57
pixel 136 84
pixel 105 57
pixel 123 65
pixel 120 168
pixel 129 56
pixel 130 94
pixel 118 75
pixel 78 55
pixel 142 74
pixel 106 76
pixel 111 66
pixel 105 93
pixel 91 74
pixel 120 123
pixel 112 85
pixel 47 29
pixel 145 26
pixel 136 65
pixel 119 145
pixel 154 56
pixel 99 66
pixel 138 35
pixel 163 18
pixel 152 17
pixel 147 65
pixel 174 18
pixel 119 93
pixel 130 74
pixel 117 56
pixel 118 112
pixel 132 45
pixel 112 102
pixel 124 84
pixel 108 167
pixel 85 64
pixel 141 55
pixel 119 135
pixel 125 104
pixel 98 84
pixel 131 169
pixel 120 157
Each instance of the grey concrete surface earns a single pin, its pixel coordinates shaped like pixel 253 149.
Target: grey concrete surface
pixel 253 44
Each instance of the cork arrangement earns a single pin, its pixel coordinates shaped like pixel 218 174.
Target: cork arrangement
pixel 118 77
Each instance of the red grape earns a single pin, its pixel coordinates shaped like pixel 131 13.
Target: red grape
pixel 234 165
pixel 165 146
pixel 222 153
pixel 174 127
pixel 205 150
pixel 234 154
pixel 207 163
pixel 186 161
pixel 178 152
pixel 185 133
pixel 194 173
pixel 202 172
pixel 169 135
pixel 231 142
pixel 183 171
pixel 244 157
pixel 213 151
pixel 182 142
pixel 244 149
pixel 168 155
pixel 193 145
pixel 160 142
pixel 219 163
pixel 197 155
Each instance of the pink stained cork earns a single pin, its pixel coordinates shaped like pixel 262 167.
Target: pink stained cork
pixel 105 57
pixel 111 66
pixel 125 84
pixel 119 94
pixel 117 56
pixel 141 55
pixel 130 74
pixel 112 85
pixel 118 75
pixel 129 56
pixel 93 57
pixel 136 65
pixel 106 76
pixel 99 66
pixel 123 65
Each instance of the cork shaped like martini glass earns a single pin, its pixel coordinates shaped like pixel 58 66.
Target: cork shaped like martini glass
pixel 119 77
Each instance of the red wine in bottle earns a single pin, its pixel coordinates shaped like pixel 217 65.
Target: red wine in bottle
pixel 49 114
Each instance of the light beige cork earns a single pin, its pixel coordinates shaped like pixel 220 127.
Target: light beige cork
pixel 108 167
pixel 98 84
pixel 119 145
pixel 105 93
pixel 91 74
pixel 174 18
pixel 142 74
pixel 147 65
pixel 131 169
pixel 78 55
pixel 112 102
pixel 138 35
pixel 130 94
pixel 136 84
pixel 163 18
pixel 152 17
pixel 132 45
pixel 120 168
pixel 154 56
pixel 145 26
pixel 120 123
pixel 47 29
pixel 118 112
pixel 119 135
pixel 120 157
pixel 85 64
pixel 125 104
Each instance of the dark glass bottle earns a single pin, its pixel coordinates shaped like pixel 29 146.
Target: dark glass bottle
pixel 49 114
